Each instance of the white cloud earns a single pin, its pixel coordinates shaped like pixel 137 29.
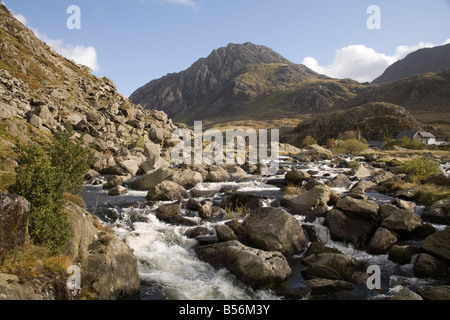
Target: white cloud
pixel 361 63
pixel 80 54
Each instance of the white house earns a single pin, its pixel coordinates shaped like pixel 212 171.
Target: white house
pixel 420 136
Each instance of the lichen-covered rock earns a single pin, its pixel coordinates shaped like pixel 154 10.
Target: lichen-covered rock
pixel 255 267
pixel 274 229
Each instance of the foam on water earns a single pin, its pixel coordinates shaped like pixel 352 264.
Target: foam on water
pixel 167 258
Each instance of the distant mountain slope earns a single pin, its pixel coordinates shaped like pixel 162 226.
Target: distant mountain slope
pixel 425 92
pixel 374 121
pixel 245 81
pixel 426 60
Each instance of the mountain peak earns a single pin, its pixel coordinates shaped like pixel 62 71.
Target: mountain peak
pixel 422 61
pixel 229 78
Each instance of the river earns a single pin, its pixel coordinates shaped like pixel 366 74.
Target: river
pixel 169 268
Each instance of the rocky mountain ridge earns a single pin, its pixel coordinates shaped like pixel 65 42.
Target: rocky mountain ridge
pixel 436 59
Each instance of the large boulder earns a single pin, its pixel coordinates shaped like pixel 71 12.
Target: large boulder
pixel 363 208
pixel 150 180
pixel 242 201
pixel 108 266
pixel 217 174
pixel 439 292
pixel 314 153
pixel 438 213
pixel 167 191
pixel 438 245
pixel 399 220
pixel 310 203
pixel 187 178
pixel 274 229
pixel 329 265
pixel 171 213
pixel 14 212
pixel 382 241
pixel 427 266
pixel 340 181
pixel 296 176
pixel 349 227
pixel 255 267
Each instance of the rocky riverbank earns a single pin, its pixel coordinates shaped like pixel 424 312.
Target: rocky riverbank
pixel 315 244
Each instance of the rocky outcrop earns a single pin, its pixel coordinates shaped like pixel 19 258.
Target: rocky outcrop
pixel 255 267
pixel 438 213
pixel 274 229
pixel 108 266
pixel 14 212
pixel 314 153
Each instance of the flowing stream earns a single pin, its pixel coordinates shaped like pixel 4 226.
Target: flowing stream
pixel 168 266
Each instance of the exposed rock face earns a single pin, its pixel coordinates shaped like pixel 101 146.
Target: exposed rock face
pixel 108 266
pixel 14 212
pixel 255 267
pixel 41 92
pixel 274 229
pixel 219 80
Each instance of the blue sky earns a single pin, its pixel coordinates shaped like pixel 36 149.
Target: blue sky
pixel 135 41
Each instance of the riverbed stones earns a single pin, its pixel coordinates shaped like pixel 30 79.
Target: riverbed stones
pixel 329 265
pixel 167 191
pixel 402 254
pixel 349 227
pixel 438 213
pixel 438 245
pixel 274 229
pixel 217 174
pixel 340 181
pixel 381 241
pixel 324 287
pixel 296 176
pixel 427 266
pixel 255 267
pixel 363 208
pixel 438 292
pixel 399 220
pixel 313 153
pixel 225 233
pixel 117 191
pixel 310 203
pixel 171 213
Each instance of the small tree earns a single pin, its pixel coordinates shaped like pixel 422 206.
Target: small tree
pixel 351 146
pixel 308 141
pixel 37 181
pixel 70 160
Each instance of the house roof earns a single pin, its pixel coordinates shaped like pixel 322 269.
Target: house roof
pixel 412 133
pixel 424 134
pixel 409 134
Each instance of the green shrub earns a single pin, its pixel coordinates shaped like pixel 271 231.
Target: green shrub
pixel 351 146
pixel 37 181
pixel 308 141
pixel 70 160
pixel 45 182
pixel 421 169
pixel 404 142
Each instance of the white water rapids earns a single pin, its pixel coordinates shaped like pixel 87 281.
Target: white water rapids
pixel 169 267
